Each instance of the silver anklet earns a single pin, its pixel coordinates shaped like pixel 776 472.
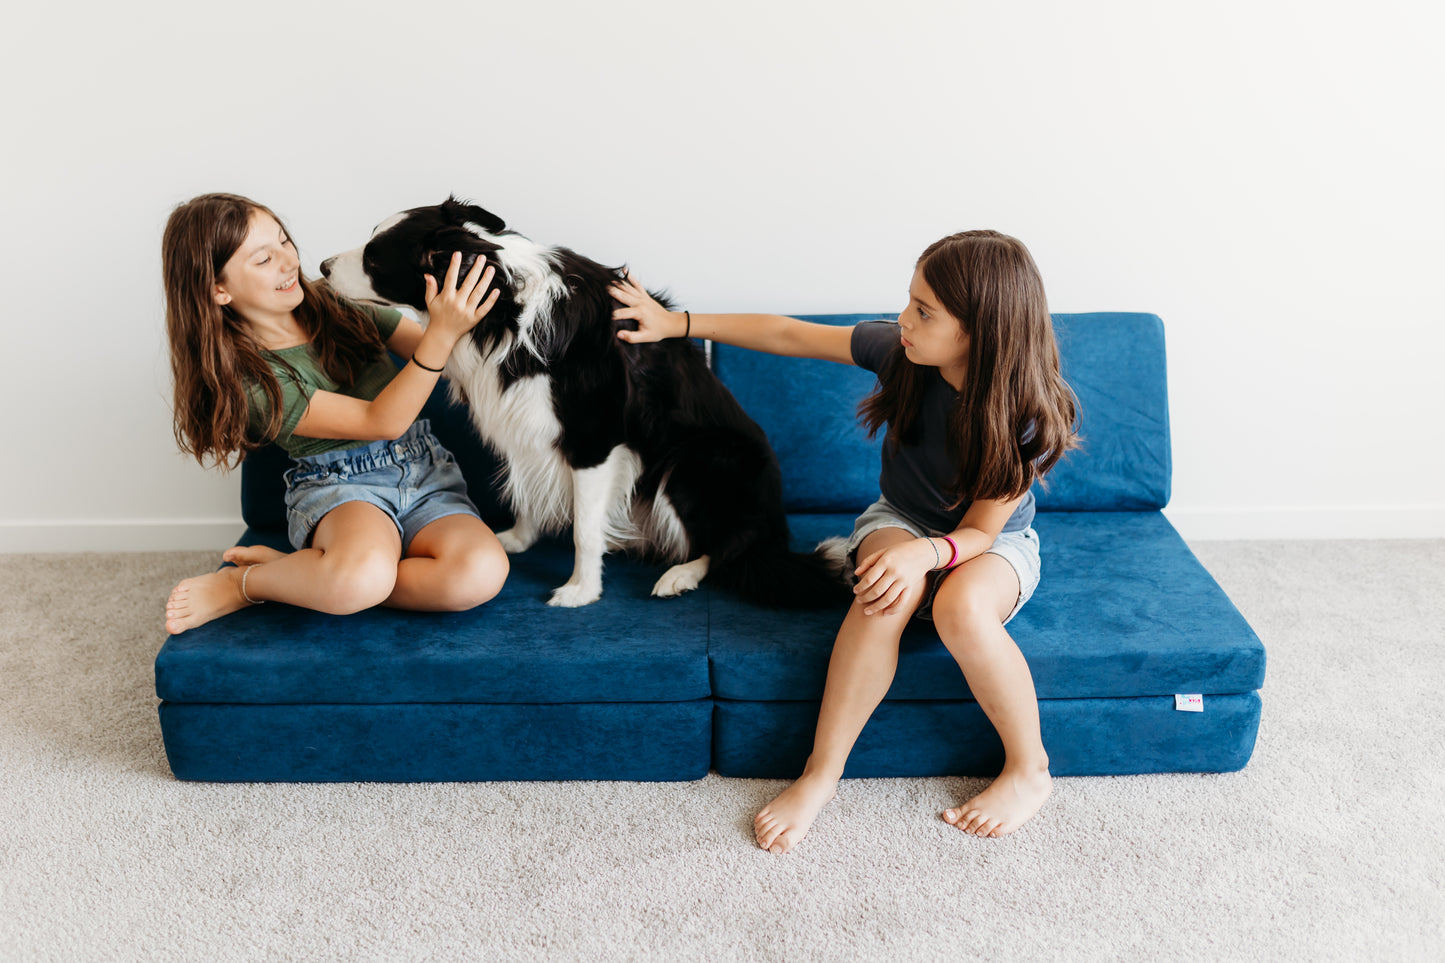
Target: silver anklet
pixel 244 573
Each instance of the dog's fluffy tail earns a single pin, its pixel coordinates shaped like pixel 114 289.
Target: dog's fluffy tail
pixel 789 580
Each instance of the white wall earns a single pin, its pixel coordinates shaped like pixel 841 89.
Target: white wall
pixel 1265 175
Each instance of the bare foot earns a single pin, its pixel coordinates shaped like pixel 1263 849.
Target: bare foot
pixel 1012 800
pixel 786 820
pixel 196 601
pixel 244 555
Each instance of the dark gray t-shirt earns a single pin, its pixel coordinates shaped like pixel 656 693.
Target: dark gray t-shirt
pixel 916 480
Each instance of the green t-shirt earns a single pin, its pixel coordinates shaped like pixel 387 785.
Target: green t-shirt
pixel 296 395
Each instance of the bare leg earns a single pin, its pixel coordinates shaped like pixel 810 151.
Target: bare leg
pixel 865 656
pixel 351 566
pixel 196 601
pixel 453 564
pixel 969 611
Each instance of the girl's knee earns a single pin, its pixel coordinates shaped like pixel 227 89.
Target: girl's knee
pixel 487 573
pixel 474 579
pixel 358 582
pixel 885 628
pixel 964 611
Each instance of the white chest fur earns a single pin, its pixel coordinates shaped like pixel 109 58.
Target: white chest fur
pixel 520 424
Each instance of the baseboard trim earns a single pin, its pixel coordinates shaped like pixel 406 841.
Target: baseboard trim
pixel 1195 524
pixel 1217 524
pixel 170 535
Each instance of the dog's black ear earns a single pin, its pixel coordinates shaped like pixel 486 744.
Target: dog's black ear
pixel 437 255
pixel 459 212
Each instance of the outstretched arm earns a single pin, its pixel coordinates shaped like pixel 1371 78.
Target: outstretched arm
pixel 772 333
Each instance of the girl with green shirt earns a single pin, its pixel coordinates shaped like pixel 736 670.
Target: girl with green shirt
pixel 376 508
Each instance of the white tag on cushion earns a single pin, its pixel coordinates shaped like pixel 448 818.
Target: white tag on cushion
pixel 1189 703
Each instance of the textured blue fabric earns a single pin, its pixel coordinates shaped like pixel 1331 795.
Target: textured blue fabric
pixel 1123 609
pixel 263 490
pixel 437 743
pixel 1083 737
pixel 1114 362
pixel 808 409
pixel 627 647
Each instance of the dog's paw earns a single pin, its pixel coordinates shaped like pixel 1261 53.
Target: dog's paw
pixel 681 578
pixel 514 543
pixel 571 596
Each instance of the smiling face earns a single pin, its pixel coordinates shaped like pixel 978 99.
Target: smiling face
pixel 930 335
pixel 262 279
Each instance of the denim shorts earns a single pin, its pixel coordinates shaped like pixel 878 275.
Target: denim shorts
pixel 413 479
pixel 1019 549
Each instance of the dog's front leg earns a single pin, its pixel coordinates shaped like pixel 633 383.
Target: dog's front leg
pixel 521 536
pixel 592 490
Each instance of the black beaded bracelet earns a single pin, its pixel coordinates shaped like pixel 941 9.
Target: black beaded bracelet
pixel 688 332
pixel 425 367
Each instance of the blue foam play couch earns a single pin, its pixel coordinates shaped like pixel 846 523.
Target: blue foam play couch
pixel 634 687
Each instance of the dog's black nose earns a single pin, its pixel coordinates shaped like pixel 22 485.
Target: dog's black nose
pixel 326 266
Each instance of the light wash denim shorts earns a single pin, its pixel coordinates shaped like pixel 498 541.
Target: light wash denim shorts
pixel 413 479
pixel 1019 549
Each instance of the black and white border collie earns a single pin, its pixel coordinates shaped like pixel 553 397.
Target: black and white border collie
pixel 637 446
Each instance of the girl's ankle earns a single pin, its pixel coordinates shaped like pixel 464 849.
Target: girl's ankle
pixel 1031 764
pixel 812 770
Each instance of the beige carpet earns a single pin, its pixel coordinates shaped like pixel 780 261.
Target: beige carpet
pixel 1328 846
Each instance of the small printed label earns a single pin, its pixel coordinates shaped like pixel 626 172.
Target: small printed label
pixel 1189 703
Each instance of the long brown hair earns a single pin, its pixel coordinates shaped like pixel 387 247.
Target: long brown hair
pixel 213 357
pixel 1015 416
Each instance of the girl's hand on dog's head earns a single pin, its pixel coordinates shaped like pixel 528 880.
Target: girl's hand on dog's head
pixel 654 322
pixel 458 307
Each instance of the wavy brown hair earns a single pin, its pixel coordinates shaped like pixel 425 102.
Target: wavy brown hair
pixel 1016 417
pixel 214 359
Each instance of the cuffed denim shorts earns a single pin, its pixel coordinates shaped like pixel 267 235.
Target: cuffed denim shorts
pixel 413 479
pixel 1019 549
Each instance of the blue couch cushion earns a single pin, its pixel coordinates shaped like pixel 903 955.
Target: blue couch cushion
pixel 444 742
pixel 627 647
pixel 1114 362
pixel 1124 609
pixel 808 409
pixel 1083 737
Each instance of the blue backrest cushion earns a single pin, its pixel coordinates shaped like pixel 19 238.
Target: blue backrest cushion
pixel 809 409
pixel 1114 363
